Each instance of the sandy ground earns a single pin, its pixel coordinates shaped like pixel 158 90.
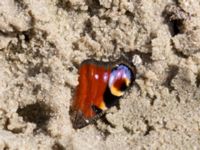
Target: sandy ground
pixel 43 41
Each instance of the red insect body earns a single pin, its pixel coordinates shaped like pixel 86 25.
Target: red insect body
pixel 97 90
pixel 92 85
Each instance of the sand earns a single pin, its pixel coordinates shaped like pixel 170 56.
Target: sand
pixel 42 43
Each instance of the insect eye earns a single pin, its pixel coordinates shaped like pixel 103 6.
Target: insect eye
pixel 123 86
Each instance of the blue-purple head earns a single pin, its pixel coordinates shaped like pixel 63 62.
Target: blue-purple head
pixel 121 77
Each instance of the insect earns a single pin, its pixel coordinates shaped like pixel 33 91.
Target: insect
pixel 101 84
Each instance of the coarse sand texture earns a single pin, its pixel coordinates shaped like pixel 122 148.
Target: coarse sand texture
pixel 42 44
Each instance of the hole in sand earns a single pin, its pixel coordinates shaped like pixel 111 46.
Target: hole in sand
pixel 58 146
pixel 36 89
pixel 198 80
pixel 38 113
pixel 93 7
pixel 172 72
pixel 149 128
pixel 176 24
pixel 175 17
